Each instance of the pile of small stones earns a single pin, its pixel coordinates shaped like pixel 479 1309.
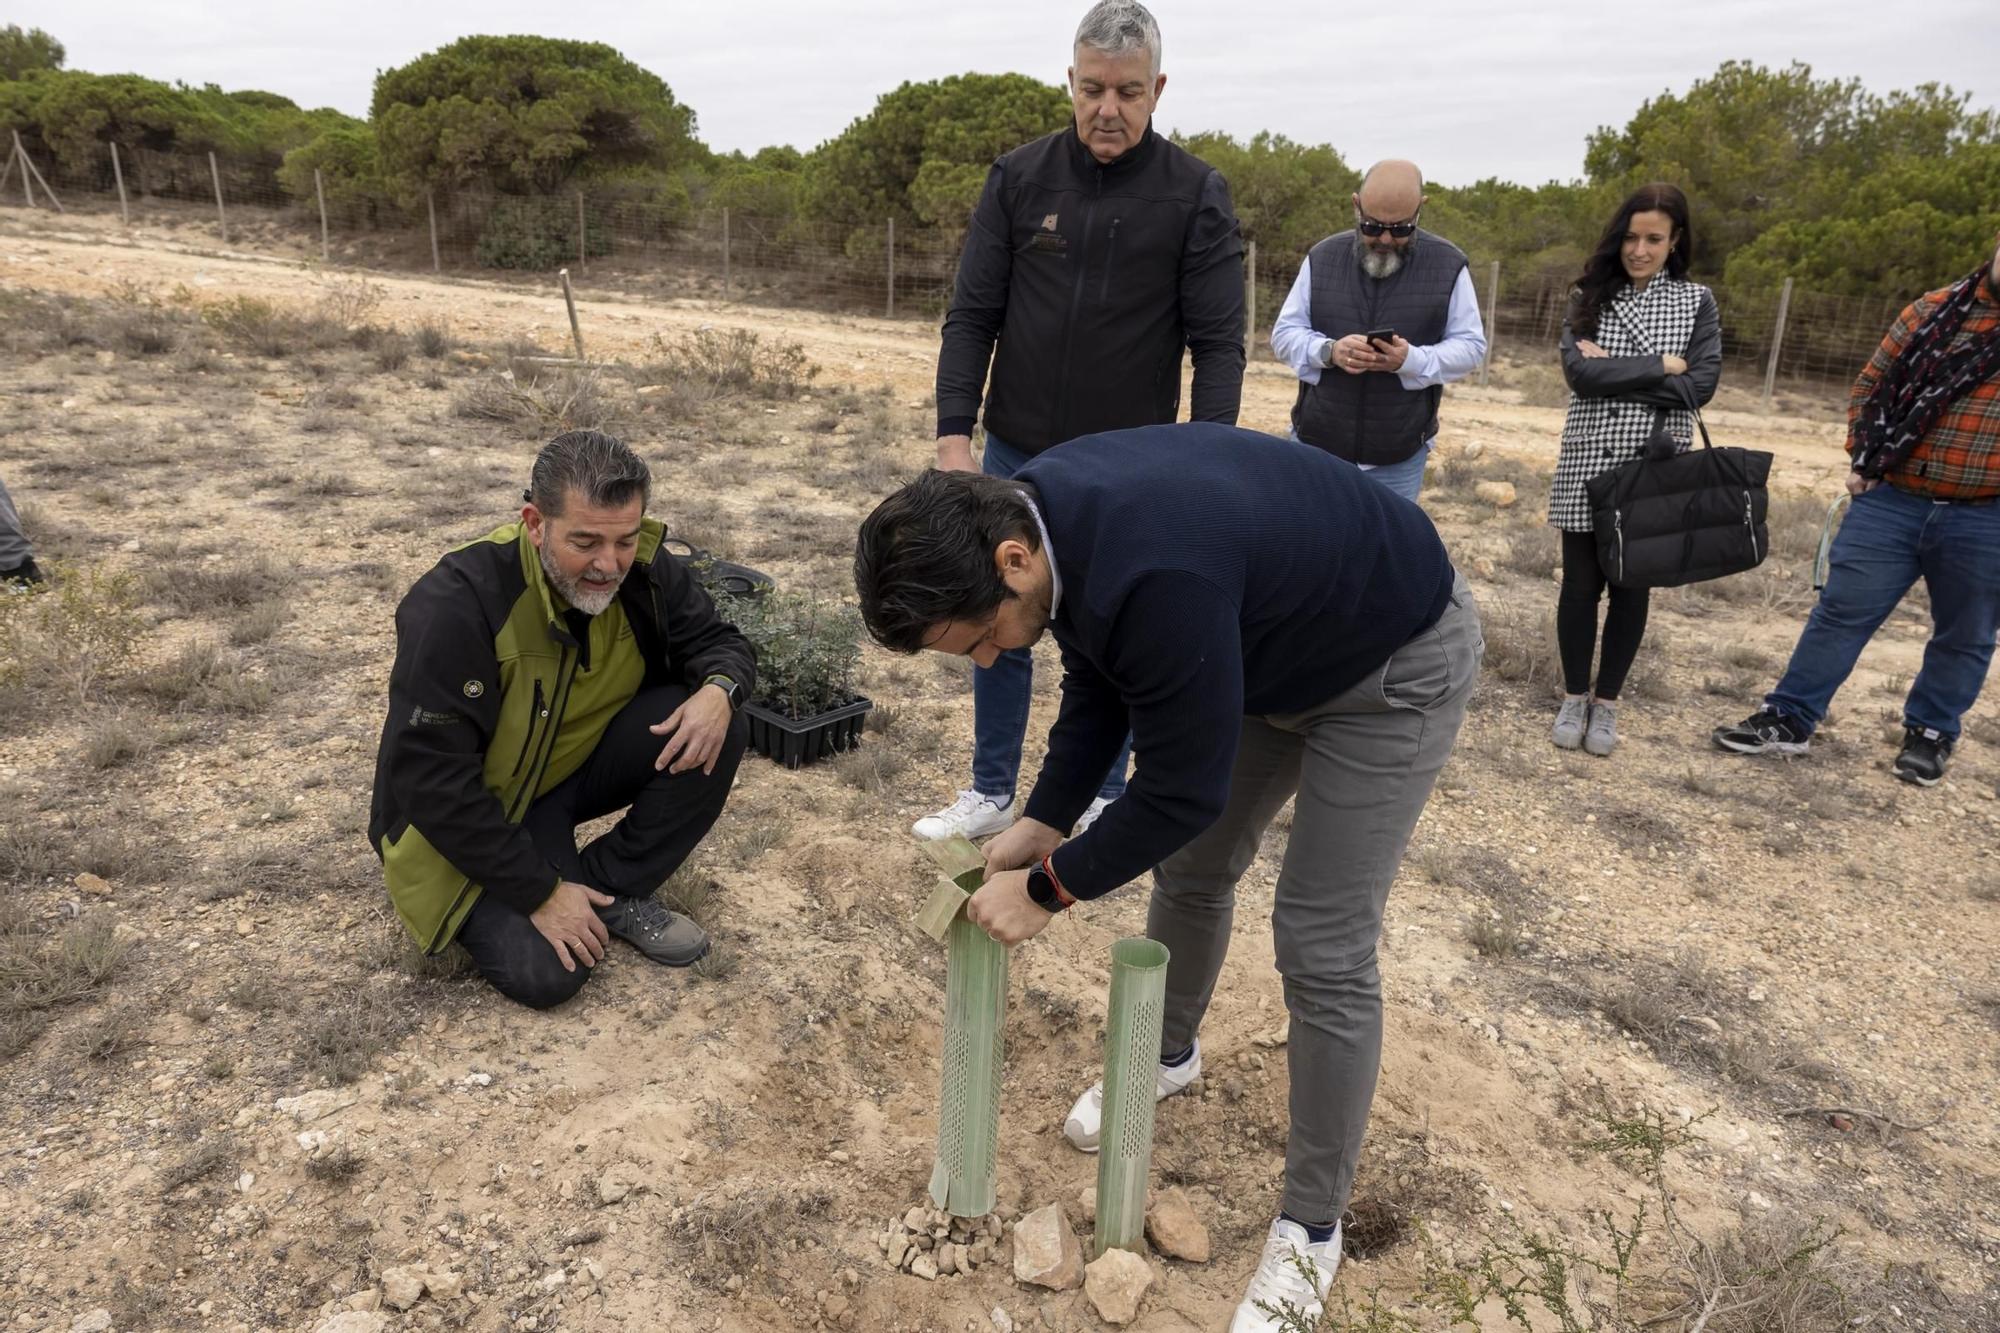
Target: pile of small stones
pixel 930 1243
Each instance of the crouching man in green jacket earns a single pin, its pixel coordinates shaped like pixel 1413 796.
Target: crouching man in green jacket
pixel 554 671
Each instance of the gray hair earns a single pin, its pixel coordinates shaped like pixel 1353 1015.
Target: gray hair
pixel 1120 27
pixel 601 468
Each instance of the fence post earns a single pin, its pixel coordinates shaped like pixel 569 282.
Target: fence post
pixel 221 217
pixel 581 262
pixel 1492 319
pixel 569 303
pixel 725 254
pixel 319 192
pixel 1250 305
pixel 118 174
pixel 892 268
pixel 1777 342
pixel 430 209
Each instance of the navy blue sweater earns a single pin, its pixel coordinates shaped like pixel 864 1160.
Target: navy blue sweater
pixel 1207 573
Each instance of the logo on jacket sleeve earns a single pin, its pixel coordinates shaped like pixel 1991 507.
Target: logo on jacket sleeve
pixel 473 689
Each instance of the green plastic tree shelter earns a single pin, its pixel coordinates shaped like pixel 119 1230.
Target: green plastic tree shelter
pixel 1131 1062
pixel 965 1180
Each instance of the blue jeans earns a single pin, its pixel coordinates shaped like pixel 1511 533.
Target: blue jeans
pixel 1002 692
pixel 1405 478
pixel 1887 541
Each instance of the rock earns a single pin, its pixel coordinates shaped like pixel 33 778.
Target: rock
pixel 92 1321
pixel 1471 449
pixel 899 1250
pixel 1499 494
pixel 445 1286
pixel 316 1105
pixel 402 1287
pixel 1086 1203
pixel 478 1080
pixel 947 1259
pixel 1045 1250
pixel 90 883
pixel 1174 1229
pixel 925 1267
pixel 618 1180
pixel 353 1321
pixel 917 1219
pixel 1116 1282
pixel 1002 1321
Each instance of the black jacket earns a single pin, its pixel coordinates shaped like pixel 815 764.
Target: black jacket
pixel 1092 277
pixel 1207 573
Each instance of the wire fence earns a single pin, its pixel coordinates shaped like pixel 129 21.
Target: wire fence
pixel 635 239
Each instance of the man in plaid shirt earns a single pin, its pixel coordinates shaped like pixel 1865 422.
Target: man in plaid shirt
pixel 1924 436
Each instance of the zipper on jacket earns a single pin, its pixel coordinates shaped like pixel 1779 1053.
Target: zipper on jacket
pixel 1618 532
pixel 1110 251
pixel 1061 421
pixel 548 745
pixel 522 757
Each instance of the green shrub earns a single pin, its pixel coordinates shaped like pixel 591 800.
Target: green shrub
pixel 537 234
pixel 807 650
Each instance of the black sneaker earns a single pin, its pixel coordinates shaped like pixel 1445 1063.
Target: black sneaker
pixel 1764 732
pixel 663 936
pixel 1925 753
pixel 24 575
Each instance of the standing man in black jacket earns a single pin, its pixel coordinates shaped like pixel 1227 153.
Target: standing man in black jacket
pixel 1094 256
pixel 558 669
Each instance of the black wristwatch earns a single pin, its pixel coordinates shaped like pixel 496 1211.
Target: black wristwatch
pixel 1042 889
pixel 729 688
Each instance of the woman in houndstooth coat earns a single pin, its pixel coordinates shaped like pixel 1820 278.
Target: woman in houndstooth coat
pixel 1639 342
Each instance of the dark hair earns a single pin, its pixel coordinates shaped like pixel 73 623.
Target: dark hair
pixel 1604 272
pixel 925 556
pixel 602 468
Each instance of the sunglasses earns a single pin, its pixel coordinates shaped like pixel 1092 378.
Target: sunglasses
pixel 1399 230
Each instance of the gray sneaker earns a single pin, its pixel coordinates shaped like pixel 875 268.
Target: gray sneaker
pixel 663 936
pixel 1602 737
pixel 1571 719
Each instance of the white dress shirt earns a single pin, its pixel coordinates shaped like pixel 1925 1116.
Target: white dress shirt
pixel 1305 349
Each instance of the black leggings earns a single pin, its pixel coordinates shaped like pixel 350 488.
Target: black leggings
pixel 1576 621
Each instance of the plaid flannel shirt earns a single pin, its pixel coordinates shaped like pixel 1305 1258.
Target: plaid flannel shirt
pixel 1959 457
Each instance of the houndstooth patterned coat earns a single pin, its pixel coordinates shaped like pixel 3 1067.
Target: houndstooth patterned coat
pixel 1608 429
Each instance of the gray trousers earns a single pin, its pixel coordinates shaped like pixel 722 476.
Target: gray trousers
pixel 14 548
pixel 1362 765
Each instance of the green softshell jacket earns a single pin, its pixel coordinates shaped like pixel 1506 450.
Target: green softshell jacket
pixel 484 664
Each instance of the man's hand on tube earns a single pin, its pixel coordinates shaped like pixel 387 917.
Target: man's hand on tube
pixel 1002 908
pixel 1025 842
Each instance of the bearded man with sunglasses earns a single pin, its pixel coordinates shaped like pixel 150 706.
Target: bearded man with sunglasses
pixel 1374 400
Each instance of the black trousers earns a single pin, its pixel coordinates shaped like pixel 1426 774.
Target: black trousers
pixel 669 816
pixel 1583 584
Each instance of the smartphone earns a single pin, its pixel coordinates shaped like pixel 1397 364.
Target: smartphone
pixel 1386 337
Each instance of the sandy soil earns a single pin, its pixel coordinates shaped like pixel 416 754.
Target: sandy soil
pixel 1725 941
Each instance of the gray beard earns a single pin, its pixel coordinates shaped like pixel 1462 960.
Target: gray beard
pixel 1377 265
pixel 590 603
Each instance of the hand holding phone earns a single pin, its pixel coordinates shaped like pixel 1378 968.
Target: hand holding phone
pixel 1382 340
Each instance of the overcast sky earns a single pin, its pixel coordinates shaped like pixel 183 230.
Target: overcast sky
pixel 1468 89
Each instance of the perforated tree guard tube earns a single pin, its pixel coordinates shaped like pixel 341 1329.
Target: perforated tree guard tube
pixel 1131 1064
pixel 965 1180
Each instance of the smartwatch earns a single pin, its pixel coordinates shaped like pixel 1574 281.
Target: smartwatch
pixel 730 688
pixel 1042 889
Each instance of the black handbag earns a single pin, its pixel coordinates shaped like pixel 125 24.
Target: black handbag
pixel 1667 518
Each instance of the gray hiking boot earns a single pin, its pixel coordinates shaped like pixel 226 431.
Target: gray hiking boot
pixel 1602 737
pixel 663 936
pixel 1571 719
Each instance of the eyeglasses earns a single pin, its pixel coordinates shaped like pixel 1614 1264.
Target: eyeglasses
pixel 1399 230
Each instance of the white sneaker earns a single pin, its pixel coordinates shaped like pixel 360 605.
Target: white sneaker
pixel 1086 1119
pixel 1090 815
pixel 1291 1281
pixel 972 814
